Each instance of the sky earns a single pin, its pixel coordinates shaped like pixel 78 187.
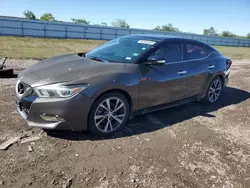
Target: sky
pixel 187 15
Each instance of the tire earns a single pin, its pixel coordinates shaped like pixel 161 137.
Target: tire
pixel 104 119
pixel 213 89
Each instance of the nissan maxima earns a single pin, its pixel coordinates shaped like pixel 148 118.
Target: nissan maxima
pixel 130 75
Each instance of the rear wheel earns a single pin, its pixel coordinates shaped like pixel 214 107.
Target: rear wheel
pixel 108 114
pixel 214 91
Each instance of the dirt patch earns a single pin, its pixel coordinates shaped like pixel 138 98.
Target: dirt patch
pixel 188 146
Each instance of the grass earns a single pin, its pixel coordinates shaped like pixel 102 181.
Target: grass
pixel 235 53
pixel 39 48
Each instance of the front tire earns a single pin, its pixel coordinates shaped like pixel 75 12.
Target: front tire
pixel 108 114
pixel 214 91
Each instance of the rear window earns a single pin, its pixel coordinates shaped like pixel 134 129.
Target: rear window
pixel 196 51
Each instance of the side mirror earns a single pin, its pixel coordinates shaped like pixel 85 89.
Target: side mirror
pixel 154 61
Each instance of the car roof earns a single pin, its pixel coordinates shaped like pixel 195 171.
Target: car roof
pixel 165 38
pixel 162 38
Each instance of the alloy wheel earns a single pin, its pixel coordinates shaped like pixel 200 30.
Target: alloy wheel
pixel 110 115
pixel 214 90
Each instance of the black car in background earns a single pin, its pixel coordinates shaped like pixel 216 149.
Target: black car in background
pixel 100 90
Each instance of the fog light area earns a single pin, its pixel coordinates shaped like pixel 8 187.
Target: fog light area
pixel 56 118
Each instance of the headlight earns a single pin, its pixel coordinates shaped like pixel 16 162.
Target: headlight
pixel 59 90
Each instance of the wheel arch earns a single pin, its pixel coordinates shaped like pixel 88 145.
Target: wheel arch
pixel 121 91
pixel 222 78
pixel 221 75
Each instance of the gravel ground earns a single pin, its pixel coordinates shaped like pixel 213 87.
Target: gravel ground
pixel 192 146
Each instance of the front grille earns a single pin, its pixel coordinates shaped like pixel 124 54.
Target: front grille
pixel 24 97
pixel 23 90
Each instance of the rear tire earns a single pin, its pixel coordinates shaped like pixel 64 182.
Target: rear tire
pixel 108 114
pixel 214 91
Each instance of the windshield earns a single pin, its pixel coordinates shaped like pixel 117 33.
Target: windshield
pixel 121 50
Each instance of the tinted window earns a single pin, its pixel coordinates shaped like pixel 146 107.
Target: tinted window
pixel 121 50
pixel 169 52
pixel 196 51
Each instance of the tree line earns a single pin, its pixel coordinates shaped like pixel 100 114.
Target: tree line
pixel 209 32
pixel 28 14
pixel 212 32
pixel 122 23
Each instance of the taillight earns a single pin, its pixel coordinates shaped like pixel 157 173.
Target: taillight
pixel 229 63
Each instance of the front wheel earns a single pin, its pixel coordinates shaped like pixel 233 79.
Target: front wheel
pixel 214 91
pixel 108 114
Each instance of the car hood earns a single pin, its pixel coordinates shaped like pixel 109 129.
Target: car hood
pixel 64 68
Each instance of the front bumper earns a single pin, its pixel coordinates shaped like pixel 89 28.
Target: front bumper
pixel 59 114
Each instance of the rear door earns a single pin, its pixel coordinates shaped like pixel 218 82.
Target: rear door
pixel 165 83
pixel 196 56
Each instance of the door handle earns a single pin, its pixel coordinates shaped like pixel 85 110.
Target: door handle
pixel 210 66
pixel 182 72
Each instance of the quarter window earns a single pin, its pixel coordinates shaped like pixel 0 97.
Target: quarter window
pixel 169 52
pixel 196 51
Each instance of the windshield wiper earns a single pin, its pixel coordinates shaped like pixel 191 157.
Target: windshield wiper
pixel 98 59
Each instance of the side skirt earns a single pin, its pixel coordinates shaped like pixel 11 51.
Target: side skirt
pixel 165 106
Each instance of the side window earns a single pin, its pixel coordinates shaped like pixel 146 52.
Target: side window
pixel 169 52
pixel 196 51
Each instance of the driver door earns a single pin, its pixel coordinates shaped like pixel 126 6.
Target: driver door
pixel 163 83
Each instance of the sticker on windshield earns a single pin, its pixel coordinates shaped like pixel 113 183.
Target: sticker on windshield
pixel 135 54
pixel 128 58
pixel 146 42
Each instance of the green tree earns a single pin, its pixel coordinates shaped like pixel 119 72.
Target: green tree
pixel 104 24
pixel 80 21
pixel 167 27
pixel 248 36
pixel 47 17
pixel 101 24
pixel 210 32
pixel 28 14
pixel 228 34
pixel 120 23
pixel 158 28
